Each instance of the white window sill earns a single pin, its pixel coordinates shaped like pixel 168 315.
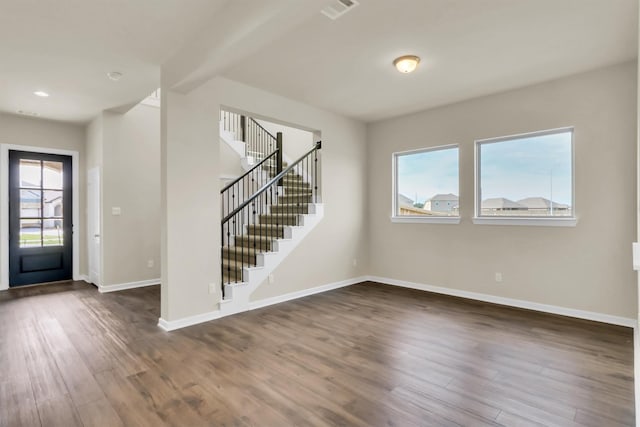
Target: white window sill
pixel 540 222
pixel 426 219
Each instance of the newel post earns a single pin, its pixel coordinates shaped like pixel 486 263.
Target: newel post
pixel 279 155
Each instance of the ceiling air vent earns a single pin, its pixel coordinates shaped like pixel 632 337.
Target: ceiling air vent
pixel 338 8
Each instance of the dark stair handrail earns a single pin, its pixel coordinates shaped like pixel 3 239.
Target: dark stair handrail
pixel 273 180
pixel 248 214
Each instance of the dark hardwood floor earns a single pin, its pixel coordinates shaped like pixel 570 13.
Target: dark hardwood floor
pixel 366 355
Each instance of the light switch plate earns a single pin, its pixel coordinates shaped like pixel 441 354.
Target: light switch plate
pixel 116 211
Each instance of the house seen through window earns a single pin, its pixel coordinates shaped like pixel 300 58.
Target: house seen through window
pixel 427 183
pixel 526 176
pixel 41 195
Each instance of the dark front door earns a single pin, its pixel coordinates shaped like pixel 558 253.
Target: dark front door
pixel 40 223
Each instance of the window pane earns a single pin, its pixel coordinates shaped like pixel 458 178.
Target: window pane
pixel 30 233
pixel 52 232
pixel 30 203
pixel 527 176
pixel 52 175
pixel 427 183
pixel 52 204
pixel 30 173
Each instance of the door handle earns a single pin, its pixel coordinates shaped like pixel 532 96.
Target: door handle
pixel 96 235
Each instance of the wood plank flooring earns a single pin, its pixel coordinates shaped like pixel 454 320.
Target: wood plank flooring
pixel 366 355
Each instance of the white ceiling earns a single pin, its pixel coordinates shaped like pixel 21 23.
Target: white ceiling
pixel 66 48
pixel 468 48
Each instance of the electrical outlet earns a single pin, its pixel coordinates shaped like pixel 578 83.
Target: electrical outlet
pixel 212 288
pixel 355 262
pixel 272 279
pixel 150 263
pixel 499 277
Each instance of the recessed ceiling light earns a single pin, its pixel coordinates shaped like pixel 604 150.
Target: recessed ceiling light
pixel 114 75
pixel 41 93
pixel 406 64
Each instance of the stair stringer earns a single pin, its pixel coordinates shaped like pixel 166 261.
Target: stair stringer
pixel 231 141
pixel 238 294
pixel 239 147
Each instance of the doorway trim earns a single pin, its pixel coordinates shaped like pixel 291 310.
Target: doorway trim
pixel 4 206
pixel 97 170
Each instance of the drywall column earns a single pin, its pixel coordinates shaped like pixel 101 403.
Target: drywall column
pixel 190 237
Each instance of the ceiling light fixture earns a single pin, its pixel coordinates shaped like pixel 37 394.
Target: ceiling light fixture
pixel 41 94
pixel 406 64
pixel 114 75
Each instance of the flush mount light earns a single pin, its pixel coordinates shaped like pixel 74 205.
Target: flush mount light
pixel 41 94
pixel 406 64
pixel 114 75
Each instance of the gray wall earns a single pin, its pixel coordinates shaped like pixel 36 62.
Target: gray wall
pixel 295 142
pixel 126 147
pixel 131 181
pixel 587 267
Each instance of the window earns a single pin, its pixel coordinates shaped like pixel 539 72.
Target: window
pixel 40 203
pixel 426 185
pixel 526 177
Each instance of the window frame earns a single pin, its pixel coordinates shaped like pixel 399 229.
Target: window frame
pixel 412 219
pixel 478 218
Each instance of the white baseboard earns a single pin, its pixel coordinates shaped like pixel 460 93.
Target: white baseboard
pixel 131 285
pixel 545 308
pixel 636 369
pixel 172 325
pixel 563 311
pixel 305 292
pixel 88 281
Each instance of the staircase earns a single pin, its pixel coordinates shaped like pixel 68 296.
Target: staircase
pixel 265 213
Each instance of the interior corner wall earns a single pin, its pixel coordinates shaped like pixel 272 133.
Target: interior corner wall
pixel 230 164
pixel 130 180
pixel 191 157
pixel 587 267
pixel 31 132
